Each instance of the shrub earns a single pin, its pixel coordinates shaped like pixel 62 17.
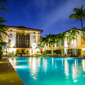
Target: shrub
pixel 69 51
pixel 1 54
pixel 45 52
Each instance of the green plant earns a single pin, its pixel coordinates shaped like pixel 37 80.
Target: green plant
pixel 79 15
pixel 1 54
pixel 45 52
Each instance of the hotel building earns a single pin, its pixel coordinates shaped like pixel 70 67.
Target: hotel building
pixel 21 39
pixel 24 40
pixel 66 44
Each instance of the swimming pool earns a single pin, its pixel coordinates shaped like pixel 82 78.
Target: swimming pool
pixel 49 70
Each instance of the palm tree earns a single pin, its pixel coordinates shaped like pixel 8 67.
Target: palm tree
pixel 61 37
pixel 51 40
pixel 73 36
pixel 6 46
pixel 44 41
pixel 3 28
pixel 1 7
pixel 1 45
pixel 79 15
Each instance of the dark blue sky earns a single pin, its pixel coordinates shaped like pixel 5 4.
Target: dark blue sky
pixel 51 16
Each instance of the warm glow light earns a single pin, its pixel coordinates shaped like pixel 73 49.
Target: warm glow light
pixel 37 49
pixel 75 73
pixel 13 62
pixel 10 60
pixel 11 50
pixel 34 51
pixel 65 44
pixel 30 51
pixel 83 64
pixel 33 66
pixel 72 41
pixel 34 45
pixel 66 68
pixel 45 64
pixel 65 50
pixel 83 48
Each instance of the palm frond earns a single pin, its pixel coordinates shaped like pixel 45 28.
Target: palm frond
pixel 2 20
pixel 3 32
pixel 72 16
pixel 3 1
pixel 76 20
pixel 82 7
pixel 76 9
pixel 3 8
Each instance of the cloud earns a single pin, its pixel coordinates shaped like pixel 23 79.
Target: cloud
pixel 60 13
pixel 52 12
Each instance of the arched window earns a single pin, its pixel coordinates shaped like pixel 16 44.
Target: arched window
pixel 18 40
pixel 27 41
pixel 22 41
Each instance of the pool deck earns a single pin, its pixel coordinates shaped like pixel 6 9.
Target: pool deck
pixel 8 75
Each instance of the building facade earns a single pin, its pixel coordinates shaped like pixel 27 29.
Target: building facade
pixel 21 40
pixel 66 44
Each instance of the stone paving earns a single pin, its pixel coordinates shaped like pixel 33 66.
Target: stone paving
pixel 8 75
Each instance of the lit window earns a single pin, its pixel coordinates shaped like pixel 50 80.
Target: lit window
pixel 17 51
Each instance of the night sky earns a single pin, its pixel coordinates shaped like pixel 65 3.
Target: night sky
pixel 51 16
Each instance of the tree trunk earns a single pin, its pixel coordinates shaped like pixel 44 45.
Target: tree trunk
pixel 73 48
pixel 45 48
pixel 0 52
pixel 6 51
pixel 52 49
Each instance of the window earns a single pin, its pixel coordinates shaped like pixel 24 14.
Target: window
pixel 34 41
pixel 27 40
pixel 22 41
pixel 34 37
pixel 17 51
pixel 27 51
pixel 10 35
pixel 68 41
pixel 22 51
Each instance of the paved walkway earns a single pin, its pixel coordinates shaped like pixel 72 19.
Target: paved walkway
pixel 8 75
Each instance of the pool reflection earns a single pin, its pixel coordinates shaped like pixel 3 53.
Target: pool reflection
pixel 51 69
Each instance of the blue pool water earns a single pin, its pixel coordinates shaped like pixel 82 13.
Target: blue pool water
pixel 49 70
